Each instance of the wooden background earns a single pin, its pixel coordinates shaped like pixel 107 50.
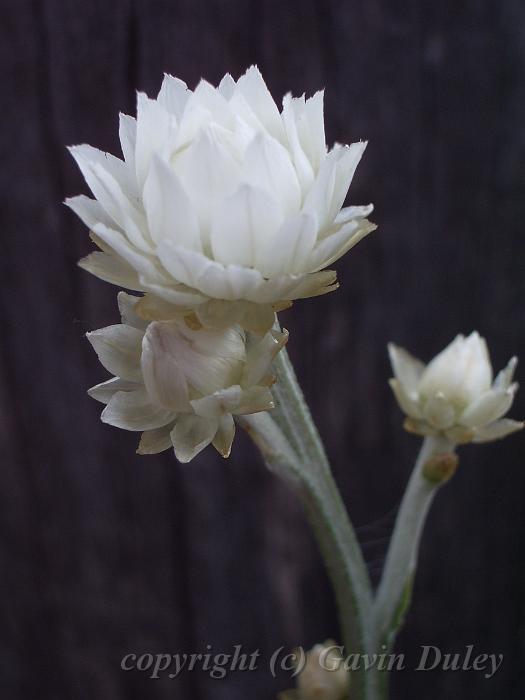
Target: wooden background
pixel 105 553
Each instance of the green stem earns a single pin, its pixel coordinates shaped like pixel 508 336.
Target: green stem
pixel 292 447
pixel 394 592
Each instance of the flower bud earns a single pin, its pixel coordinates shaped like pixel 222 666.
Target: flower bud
pixel 455 395
pixel 323 676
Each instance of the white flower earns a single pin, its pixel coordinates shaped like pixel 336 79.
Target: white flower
pixel 181 386
pixel 454 395
pixel 223 208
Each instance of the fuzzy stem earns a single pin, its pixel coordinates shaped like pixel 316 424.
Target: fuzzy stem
pixel 434 466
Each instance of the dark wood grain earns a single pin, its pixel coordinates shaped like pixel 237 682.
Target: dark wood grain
pixel 105 553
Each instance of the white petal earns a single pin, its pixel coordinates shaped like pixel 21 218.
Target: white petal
pixel 241 224
pixel 302 165
pixel 504 378
pixel 234 400
pixel 89 210
pixel 168 208
pixel 173 95
pixel 227 86
pixel 164 379
pixel 118 349
pixel 174 295
pixel 219 403
pixel 132 410
pixel 128 139
pixel 209 173
pixel 267 165
pixel 252 87
pixel 327 194
pixel 212 100
pixel 154 441
pixel 462 371
pixel 127 308
pixel 219 314
pixel 258 318
pixel 337 244
pixel 407 403
pixel 497 430
pixel 140 262
pixel 86 156
pixel 224 436
pixel 209 277
pixel 346 167
pixel 105 391
pixel 260 353
pixel 439 412
pixel 255 399
pixel 290 249
pixel 313 284
pixel 111 268
pixel 154 133
pixel 407 368
pixel 209 360
pixel 191 435
pixel 311 130
pixel 112 197
pixel 488 407
pixel 355 212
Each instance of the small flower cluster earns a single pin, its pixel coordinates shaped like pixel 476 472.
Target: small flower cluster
pixel 223 211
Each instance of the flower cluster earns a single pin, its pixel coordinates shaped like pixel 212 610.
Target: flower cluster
pixel 223 211
pixel 454 395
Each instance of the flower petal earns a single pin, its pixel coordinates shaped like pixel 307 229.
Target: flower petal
pixel 128 139
pixel 407 368
pixel 224 436
pixel 89 211
pixel 407 404
pixel 267 165
pixel 488 407
pixel 154 441
pixel 105 391
pixel 191 435
pixel 164 379
pixel 302 165
pixel 127 304
pixel 173 95
pixel 260 353
pixel 252 87
pixel 289 249
pixel 504 378
pixel 439 412
pixel 241 224
pixel 118 349
pixel 169 211
pixel 112 269
pixel 142 263
pixel 334 246
pixel 155 129
pixel 132 410
pixel 497 430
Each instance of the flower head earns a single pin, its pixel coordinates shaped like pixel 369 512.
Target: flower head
pixel 454 395
pixel 180 386
pixel 224 208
